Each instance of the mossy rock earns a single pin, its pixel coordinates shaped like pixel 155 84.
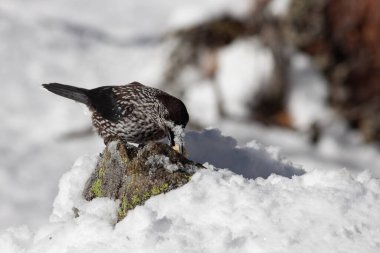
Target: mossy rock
pixel 133 175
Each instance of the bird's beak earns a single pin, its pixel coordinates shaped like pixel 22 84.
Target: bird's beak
pixel 178 148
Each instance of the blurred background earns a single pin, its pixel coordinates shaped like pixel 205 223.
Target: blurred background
pixel 296 75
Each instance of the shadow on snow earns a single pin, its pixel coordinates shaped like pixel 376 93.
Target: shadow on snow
pixel 250 161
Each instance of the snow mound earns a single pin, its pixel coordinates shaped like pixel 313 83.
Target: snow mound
pixel 218 210
pixel 251 160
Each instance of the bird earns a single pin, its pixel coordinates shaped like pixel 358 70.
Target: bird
pixel 132 113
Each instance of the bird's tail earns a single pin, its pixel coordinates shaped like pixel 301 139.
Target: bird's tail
pixel 71 92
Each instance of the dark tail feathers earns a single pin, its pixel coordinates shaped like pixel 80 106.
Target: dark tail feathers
pixel 71 92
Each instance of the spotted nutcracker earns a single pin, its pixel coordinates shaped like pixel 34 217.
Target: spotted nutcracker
pixel 131 113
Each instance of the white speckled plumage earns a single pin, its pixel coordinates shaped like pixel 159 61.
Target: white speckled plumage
pixel 131 113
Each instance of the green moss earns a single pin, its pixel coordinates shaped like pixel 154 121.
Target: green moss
pixel 157 190
pixel 164 187
pixel 123 208
pixel 101 172
pixel 146 196
pixel 96 187
pixel 136 200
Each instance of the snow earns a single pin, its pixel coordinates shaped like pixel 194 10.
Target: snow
pixel 247 201
pixel 179 135
pixel 279 7
pixel 217 211
pixel 308 93
pixel 117 19
pixel 338 147
pixel 157 161
pixel 251 160
pixel 201 103
pixel 84 43
pixel 245 67
pixel 193 12
pixel 70 186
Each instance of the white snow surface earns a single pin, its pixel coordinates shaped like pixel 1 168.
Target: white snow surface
pixel 308 93
pixel 86 43
pixel 217 211
pixel 245 67
pixel 325 208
